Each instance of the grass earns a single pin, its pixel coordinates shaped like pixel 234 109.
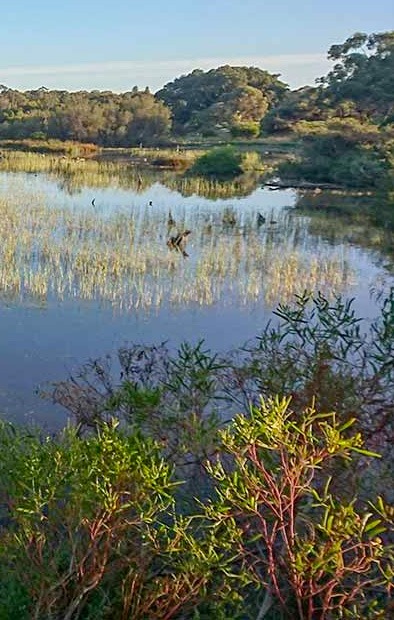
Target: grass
pixel 177 158
pixel 78 172
pixel 126 172
pixel 55 147
pixel 123 260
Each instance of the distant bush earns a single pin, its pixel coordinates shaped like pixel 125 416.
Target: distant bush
pixel 251 161
pixel 172 158
pixel 226 161
pixel 38 135
pixel 55 147
pixel 220 161
pixel 346 153
pixel 246 129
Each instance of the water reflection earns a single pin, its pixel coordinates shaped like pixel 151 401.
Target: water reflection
pixel 128 259
pixel 74 174
pixel 211 188
pixel 79 279
pixel 365 220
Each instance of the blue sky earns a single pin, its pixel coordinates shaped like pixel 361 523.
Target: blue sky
pixel 85 44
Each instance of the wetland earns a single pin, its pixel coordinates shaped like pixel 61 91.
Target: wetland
pixel 87 266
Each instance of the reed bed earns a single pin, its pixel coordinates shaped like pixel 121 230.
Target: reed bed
pixel 170 157
pixel 78 172
pixel 52 253
pixel 75 173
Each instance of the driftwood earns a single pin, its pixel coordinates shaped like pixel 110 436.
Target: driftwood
pixel 293 183
pixel 178 242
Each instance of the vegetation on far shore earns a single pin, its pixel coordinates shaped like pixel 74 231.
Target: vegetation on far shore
pixel 343 126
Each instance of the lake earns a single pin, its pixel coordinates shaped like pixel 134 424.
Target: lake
pixel 87 268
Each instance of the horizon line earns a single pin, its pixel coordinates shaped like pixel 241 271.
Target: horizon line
pixel 155 71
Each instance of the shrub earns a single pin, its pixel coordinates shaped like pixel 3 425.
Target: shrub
pixel 89 525
pixel 220 161
pixel 251 162
pixel 246 129
pixel 226 161
pixel 307 553
pixel 317 350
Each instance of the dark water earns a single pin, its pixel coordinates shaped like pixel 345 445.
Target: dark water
pixel 249 267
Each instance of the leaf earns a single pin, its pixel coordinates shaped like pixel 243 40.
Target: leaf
pixel 372 524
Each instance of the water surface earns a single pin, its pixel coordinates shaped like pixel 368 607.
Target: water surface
pixel 78 280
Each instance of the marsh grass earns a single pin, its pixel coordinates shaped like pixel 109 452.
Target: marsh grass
pixel 52 146
pixel 121 259
pixel 77 172
pixel 168 158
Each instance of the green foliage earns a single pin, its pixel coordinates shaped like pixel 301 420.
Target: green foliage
pixel 89 527
pixel 363 72
pixel 359 86
pixel 307 103
pixel 245 129
pixel 174 398
pixel 221 102
pixel 272 517
pixel 221 161
pixel 226 161
pixel 101 117
pixel 220 98
pixel 306 552
pixel 317 351
pixel 344 152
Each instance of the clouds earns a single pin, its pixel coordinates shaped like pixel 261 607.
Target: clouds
pixel 296 69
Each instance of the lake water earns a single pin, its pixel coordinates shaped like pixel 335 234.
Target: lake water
pixel 78 280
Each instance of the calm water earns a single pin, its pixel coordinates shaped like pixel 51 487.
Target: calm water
pixel 77 281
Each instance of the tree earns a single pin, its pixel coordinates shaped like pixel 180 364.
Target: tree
pixel 364 72
pixel 101 117
pixel 220 97
pixel 360 85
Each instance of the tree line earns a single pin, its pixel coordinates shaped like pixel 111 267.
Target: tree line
pixel 101 117
pixel 225 102
pixel 232 98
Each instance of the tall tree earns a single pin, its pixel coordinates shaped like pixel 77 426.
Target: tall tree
pixel 220 97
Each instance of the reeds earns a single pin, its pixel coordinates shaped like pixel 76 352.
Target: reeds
pixel 122 259
pixel 77 172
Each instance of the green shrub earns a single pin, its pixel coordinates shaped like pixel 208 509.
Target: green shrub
pixel 226 161
pixel 317 351
pixel 246 129
pixel 89 527
pixel 346 153
pixel 307 553
pixel 220 161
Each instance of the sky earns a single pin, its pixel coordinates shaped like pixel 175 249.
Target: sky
pixel 114 45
